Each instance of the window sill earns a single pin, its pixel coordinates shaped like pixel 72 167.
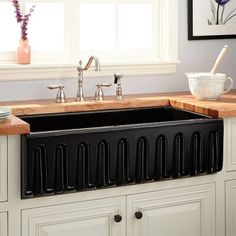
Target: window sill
pixel 11 72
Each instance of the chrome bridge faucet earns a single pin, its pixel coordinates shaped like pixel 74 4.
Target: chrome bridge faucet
pixel 80 69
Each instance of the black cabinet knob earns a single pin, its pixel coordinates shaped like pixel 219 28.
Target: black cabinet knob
pixel 138 215
pixel 118 218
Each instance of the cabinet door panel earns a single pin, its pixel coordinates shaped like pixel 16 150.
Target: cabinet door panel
pixel 92 218
pixel 230 128
pixel 231 208
pixel 3 168
pixel 175 212
pixel 3 224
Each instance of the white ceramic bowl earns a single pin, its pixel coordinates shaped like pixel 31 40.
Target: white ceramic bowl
pixel 206 86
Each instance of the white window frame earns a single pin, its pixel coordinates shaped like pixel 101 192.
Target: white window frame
pixel 57 69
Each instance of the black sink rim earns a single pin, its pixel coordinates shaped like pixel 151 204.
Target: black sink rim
pixel 204 116
pixel 201 118
pixel 115 128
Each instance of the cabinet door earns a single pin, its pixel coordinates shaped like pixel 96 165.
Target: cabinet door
pixel 230 134
pixel 3 168
pixel 3 224
pixel 91 218
pixel 174 212
pixel 231 208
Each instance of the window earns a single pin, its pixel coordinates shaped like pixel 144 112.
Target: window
pixel 126 30
pixel 127 35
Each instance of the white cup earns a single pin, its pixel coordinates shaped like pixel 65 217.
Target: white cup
pixel 206 86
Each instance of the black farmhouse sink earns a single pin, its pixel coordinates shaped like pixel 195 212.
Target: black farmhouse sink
pixel 89 150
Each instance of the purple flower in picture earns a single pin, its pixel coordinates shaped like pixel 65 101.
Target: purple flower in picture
pixel 218 8
pixel 22 19
pixel 222 2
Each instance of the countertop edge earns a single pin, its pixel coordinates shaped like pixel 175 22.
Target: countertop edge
pixel 14 126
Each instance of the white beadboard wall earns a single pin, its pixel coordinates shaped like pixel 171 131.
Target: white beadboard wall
pixel 194 56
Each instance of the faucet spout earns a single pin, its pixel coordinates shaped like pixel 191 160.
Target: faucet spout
pixel 97 63
pixel 80 69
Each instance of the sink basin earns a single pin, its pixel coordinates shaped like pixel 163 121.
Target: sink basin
pixel 110 118
pixel 88 150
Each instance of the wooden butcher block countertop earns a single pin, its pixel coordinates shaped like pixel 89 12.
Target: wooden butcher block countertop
pixel 222 108
pixel 13 125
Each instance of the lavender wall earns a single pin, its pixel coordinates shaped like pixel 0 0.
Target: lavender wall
pixel 194 56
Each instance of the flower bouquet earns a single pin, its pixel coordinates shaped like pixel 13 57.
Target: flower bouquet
pixel 23 51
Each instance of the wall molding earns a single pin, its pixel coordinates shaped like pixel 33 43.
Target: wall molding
pixel 14 72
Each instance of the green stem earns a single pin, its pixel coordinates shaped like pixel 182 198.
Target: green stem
pixel 218 12
pixel 222 15
pixel 230 18
pixel 229 15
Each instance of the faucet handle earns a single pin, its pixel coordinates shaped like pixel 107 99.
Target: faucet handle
pixel 61 98
pixel 56 86
pixel 104 85
pixel 99 95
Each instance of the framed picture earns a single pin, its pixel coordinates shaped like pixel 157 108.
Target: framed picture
pixel 211 19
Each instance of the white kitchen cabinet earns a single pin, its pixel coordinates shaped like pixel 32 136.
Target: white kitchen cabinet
pixel 231 208
pixel 230 135
pixel 90 218
pixel 3 168
pixel 174 212
pixel 3 224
